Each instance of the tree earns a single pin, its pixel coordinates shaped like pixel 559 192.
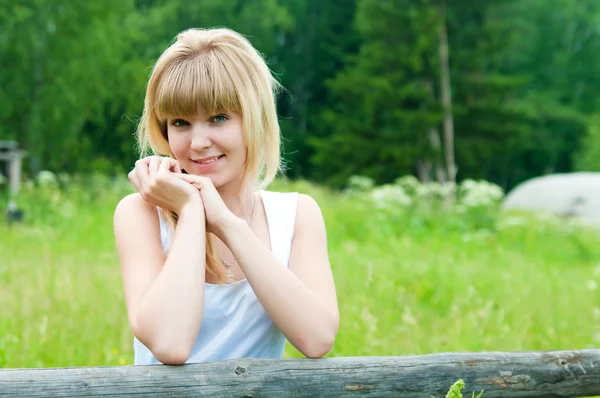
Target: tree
pixel 446 96
pixel 306 56
pixel 382 105
pixel 57 60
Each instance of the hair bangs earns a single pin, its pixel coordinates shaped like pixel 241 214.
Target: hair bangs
pixel 194 84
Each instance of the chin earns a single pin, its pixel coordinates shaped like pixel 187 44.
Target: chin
pixel 217 180
pixel 217 183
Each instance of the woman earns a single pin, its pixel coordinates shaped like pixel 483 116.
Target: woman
pixel 214 266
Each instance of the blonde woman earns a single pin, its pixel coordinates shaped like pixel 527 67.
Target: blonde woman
pixel 214 266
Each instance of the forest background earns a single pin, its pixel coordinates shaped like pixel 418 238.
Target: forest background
pixel 364 79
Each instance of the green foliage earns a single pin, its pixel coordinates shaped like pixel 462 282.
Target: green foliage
pixel 307 55
pixel 560 43
pixel 456 388
pixel 363 80
pixel 62 63
pixel 589 156
pixel 383 104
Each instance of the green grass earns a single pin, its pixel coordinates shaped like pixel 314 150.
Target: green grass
pixel 408 283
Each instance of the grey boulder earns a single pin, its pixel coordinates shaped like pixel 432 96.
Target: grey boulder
pixel 568 195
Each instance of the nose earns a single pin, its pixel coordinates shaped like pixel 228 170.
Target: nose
pixel 200 137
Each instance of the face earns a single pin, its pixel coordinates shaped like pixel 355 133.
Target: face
pixel 209 145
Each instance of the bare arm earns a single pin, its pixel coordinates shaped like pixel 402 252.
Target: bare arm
pixel 165 297
pixel 300 300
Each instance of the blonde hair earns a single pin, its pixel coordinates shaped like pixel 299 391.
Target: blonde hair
pixel 217 70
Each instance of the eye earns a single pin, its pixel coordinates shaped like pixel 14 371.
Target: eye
pixel 219 119
pixel 179 123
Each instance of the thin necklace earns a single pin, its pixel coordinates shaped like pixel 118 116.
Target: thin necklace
pixel 228 265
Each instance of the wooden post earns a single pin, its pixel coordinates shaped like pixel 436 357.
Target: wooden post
pixel 9 153
pixel 15 174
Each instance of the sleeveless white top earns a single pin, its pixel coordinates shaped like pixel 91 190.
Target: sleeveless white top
pixel 234 323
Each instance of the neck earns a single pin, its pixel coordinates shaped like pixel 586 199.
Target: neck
pixel 240 202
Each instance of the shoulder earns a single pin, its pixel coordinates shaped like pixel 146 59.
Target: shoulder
pixel 307 205
pixel 309 216
pixel 133 207
pixel 136 229
pixel 132 202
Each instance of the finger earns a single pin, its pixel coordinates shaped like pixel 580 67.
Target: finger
pixel 190 179
pixel 194 179
pixel 177 168
pixel 141 171
pixel 203 183
pixel 135 181
pixel 146 160
pixel 207 184
pixel 165 165
pixel 186 177
pixel 174 165
pixel 154 164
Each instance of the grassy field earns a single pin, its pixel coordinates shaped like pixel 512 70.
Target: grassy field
pixel 409 281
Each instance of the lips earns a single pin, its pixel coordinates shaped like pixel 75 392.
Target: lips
pixel 208 160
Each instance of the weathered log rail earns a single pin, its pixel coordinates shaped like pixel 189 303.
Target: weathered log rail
pixel 500 374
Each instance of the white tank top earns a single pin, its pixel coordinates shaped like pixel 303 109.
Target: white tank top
pixel 234 323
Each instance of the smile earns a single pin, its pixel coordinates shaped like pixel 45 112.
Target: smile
pixel 205 163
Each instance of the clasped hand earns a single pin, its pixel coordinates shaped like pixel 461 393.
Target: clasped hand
pixel 160 182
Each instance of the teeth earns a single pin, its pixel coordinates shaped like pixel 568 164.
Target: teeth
pixel 209 161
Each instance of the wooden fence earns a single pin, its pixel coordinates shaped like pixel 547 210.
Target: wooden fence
pixel 499 374
pixel 10 153
pixel 12 156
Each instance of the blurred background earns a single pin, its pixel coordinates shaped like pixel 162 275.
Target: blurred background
pixel 410 121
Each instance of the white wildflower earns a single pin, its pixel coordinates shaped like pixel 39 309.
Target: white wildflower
pixel 512 221
pixel 360 183
pixel 64 178
pixel 477 236
pixel 429 190
pixel 46 178
pixel 409 183
pixel 390 196
pixel 435 190
pixel 460 209
pixel 370 321
pixel 408 318
pixel 479 193
pixel 447 189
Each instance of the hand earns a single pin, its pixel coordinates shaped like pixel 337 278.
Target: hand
pixel 154 177
pixel 218 215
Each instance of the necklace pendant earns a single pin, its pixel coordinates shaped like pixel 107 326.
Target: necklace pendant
pixel 229 278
